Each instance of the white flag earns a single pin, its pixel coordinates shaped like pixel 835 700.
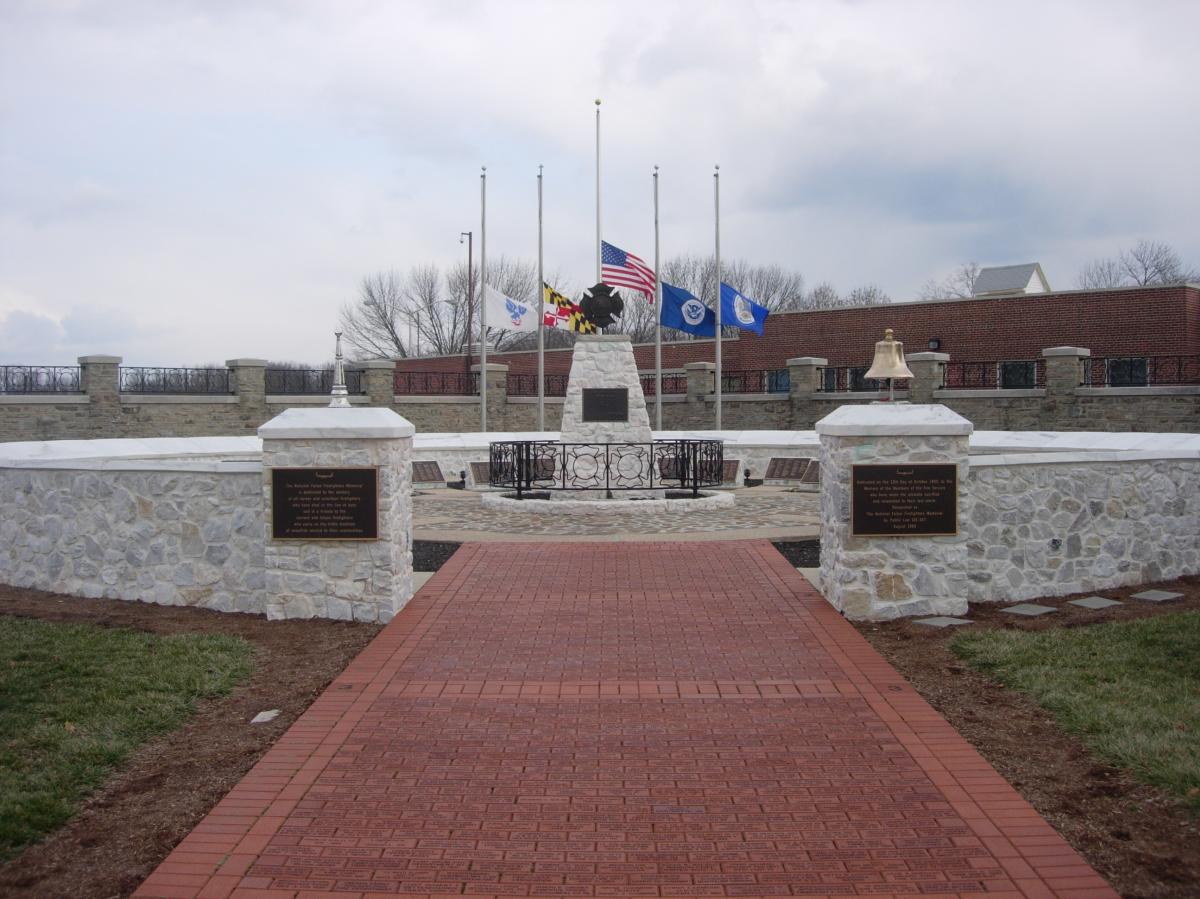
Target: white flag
pixel 507 314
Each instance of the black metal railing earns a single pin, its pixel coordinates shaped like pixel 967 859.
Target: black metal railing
pixel 772 380
pixel 436 383
pixel 1141 371
pixel 309 381
pixel 213 381
pixel 852 379
pixel 526 465
pixel 39 379
pixel 1018 374
pixel 526 385
pixel 670 384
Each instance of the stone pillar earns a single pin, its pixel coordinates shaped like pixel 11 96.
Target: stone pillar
pixel 890 577
pixel 804 376
pixel 1064 374
pixel 99 378
pixel 363 580
pixel 701 380
pixel 928 375
pixel 379 381
pixel 497 394
pixel 249 377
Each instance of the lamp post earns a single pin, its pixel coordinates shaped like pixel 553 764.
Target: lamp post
pixel 470 295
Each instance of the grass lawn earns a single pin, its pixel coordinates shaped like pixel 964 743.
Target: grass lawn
pixel 75 699
pixel 1130 690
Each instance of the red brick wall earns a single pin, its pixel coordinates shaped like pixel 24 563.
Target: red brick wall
pixel 1134 322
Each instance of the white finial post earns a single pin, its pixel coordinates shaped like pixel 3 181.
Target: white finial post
pixel 339 397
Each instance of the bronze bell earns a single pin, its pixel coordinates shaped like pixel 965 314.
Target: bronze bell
pixel 889 359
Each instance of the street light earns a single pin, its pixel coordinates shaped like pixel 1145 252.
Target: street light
pixel 470 294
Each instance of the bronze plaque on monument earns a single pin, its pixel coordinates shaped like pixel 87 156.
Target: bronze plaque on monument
pixel 325 503
pixel 915 500
pixel 605 404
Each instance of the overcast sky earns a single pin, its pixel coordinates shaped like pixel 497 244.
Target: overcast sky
pixel 186 182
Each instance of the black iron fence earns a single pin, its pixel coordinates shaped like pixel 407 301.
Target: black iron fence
pixel 1141 371
pixel 213 381
pixel 852 379
pixel 526 385
pixel 309 381
pixel 771 380
pixel 39 379
pixel 526 465
pixel 436 383
pixel 670 384
pixel 1018 374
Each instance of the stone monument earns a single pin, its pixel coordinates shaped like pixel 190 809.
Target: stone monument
pixel 604 401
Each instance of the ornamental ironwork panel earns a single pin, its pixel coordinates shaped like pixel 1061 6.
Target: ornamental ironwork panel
pixel 214 381
pixel 436 383
pixel 39 379
pixel 670 384
pixel 309 381
pixel 526 465
pixel 526 385
pixel 760 381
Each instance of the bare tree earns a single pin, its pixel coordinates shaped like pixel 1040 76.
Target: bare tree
pixel 958 285
pixel 375 324
pixel 867 295
pixel 1100 274
pixel 1148 262
pixel 396 316
pixel 823 296
pixel 425 310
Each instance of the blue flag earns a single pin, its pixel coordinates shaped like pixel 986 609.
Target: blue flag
pixel 741 311
pixel 682 311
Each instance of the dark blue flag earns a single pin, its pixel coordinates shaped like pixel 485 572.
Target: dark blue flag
pixel 682 311
pixel 741 311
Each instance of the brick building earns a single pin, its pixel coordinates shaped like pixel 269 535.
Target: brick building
pixel 1123 322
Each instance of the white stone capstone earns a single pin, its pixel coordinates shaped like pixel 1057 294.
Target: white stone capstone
pixel 368 423
pixel 604 360
pixel 879 419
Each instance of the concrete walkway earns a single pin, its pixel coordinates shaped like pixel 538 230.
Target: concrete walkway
pixel 641 719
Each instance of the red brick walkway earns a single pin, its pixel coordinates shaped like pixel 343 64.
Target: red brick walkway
pixel 623 720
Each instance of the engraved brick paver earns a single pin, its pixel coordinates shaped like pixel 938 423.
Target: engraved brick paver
pixel 644 719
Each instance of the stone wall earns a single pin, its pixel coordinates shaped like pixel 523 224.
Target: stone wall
pixel 174 537
pixel 1079 522
pixel 1062 405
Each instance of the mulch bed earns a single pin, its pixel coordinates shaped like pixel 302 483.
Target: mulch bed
pixel 1141 840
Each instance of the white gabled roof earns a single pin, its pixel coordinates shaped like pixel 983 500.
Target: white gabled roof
pixel 1006 279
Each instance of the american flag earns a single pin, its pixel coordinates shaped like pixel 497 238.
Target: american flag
pixel 621 269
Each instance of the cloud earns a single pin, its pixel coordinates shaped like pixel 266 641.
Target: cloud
pixel 217 177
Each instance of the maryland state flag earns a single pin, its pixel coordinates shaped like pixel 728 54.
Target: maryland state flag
pixel 560 312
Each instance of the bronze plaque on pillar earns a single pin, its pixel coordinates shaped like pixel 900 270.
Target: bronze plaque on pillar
pixel 605 404
pixel 325 503
pixel 914 500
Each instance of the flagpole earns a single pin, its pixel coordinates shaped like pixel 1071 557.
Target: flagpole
pixel 597 190
pixel 717 216
pixel 483 299
pixel 657 318
pixel 541 308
